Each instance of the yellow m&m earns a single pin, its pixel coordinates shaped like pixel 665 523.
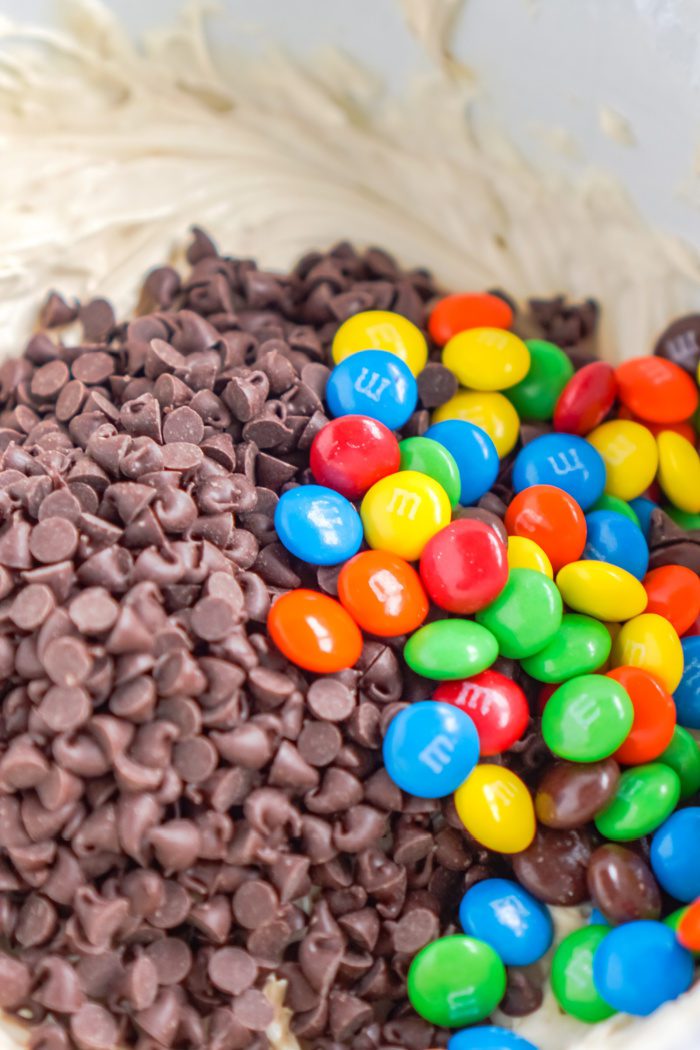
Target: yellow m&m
pixel 381 330
pixel 487 358
pixel 496 808
pixel 602 590
pixel 491 411
pixel 524 553
pixel 650 642
pixel 403 511
pixel 630 455
pixel 679 471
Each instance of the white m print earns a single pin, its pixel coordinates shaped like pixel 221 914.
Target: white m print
pixel 404 504
pixel 438 753
pixel 569 462
pixel 372 388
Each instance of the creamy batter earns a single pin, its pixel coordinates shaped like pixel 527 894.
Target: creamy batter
pixel 109 154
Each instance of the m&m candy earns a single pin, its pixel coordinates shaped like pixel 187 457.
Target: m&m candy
pixel 402 512
pixel 673 591
pixel 586 399
pixel 314 631
pixel 552 519
pixel 524 553
pixel 618 506
pixel 464 566
pixel 654 716
pixel 675 854
pixel 318 525
pixel 503 914
pixel 687 692
pixel 382 593
pixel 473 451
pixel 572 975
pixel 679 471
pixel 456 981
pixel 630 455
pixel 496 704
pixel 434 459
pixel 570 794
pixel 587 718
pixel 535 396
pixel 526 614
pixel 430 749
pixel 601 590
pixel 373 383
pixel 613 538
pixel 580 646
pixel 490 411
pixel 489 1037
pixel 683 756
pixel 650 642
pixel 656 389
pixel 636 989
pixel 565 461
pixel 487 358
pixel 496 808
pixel 381 330
pixel 645 796
pixel 456 313
pixel 352 452
pixel 447 649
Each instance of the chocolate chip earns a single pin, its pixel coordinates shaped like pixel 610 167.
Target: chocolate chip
pixel 232 970
pixel 54 539
pixel 330 700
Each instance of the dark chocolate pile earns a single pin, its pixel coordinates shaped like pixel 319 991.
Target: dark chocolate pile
pixel 183 813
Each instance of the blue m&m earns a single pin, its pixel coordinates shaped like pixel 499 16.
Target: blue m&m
pixel 474 453
pixel 430 748
pixel 489 1037
pixel 511 920
pixel 675 854
pixel 687 694
pixel 644 508
pixel 373 383
pixel 318 525
pixel 640 965
pixel 613 538
pixel 564 460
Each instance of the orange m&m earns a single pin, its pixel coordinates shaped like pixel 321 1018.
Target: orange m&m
pixel 654 716
pixel 673 592
pixel 656 390
pixel 688 929
pixel 314 631
pixel 382 593
pixel 457 313
pixel 552 518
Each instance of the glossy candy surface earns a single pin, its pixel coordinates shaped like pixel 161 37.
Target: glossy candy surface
pixel 402 512
pixel 586 399
pixel 381 330
pixel 679 471
pixel 496 808
pixel 535 396
pixel 630 455
pixel 526 614
pixel 318 525
pixel 683 756
pixel 645 796
pixel 552 519
pixel 456 981
pixel 382 593
pixel 464 566
pixel 431 458
pixel 580 646
pixel 524 553
pixel 496 704
pixel 687 693
pixel 456 313
pixel 675 854
pixel 621 885
pixel 350 453
pixel 373 383
pixel 430 749
pixel 504 915
pixel 448 649
pixel 487 358
pixel 601 590
pixel 638 989
pixel 314 631
pixel 565 461
pixel 474 453
pixel 570 794
pixel 654 716
pixel 673 591
pixel 491 411
pixel 613 538
pixel 572 975
pixel 656 389
pixel 489 1037
pixel 687 927
pixel 650 642
pixel 587 718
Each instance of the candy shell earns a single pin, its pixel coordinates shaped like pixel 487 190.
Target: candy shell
pixel 464 566
pixel 314 631
pixel 381 330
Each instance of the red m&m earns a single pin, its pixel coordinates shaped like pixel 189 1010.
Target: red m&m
pixel 586 399
pixel 464 566
pixel 496 705
pixel 351 453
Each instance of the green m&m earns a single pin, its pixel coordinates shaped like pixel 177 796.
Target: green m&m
pixel 431 458
pixel 526 614
pixel 580 646
pixel 456 981
pixel 535 396
pixel 683 756
pixel 449 649
pixel 620 506
pixel 646 795
pixel 572 975
pixel 587 718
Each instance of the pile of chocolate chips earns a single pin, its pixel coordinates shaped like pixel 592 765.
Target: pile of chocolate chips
pixel 184 815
